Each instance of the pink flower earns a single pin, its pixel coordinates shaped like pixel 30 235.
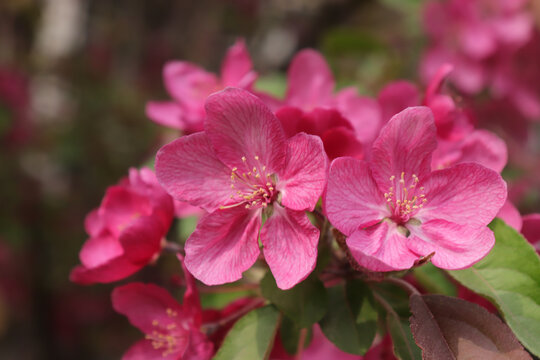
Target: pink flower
pixel 126 230
pixel 469 33
pixel 344 121
pixel 241 167
pixel 189 86
pixel 172 331
pixel 457 140
pixel 395 210
pixel 531 230
pixel 510 215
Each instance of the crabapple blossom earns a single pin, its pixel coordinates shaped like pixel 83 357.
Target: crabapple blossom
pixel 189 86
pixel 241 168
pixel 344 121
pixel 172 330
pixel 394 209
pixel 126 230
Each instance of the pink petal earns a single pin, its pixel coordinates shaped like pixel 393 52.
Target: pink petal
pixel 363 113
pixel 484 148
pixel 121 206
pixel 455 246
pixel 477 41
pixel 143 350
pixel 240 125
pixel 436 82
pixel 291 120
pixel 302 181
pixel 189 170
pixel 191 302
pixel 166 113
pixel 224 244
pixel 310 80
pixel 463 194
pixel 396 97
pixel 352 199
pixel 113 270
pixel 236 69
pixel 342 141
pixel 290 246
pixel 99 250
pixel 93 223
pixel 404 145
pixel 188 83
pixel 184 209
pixel 531 230
pixel 145 306
pixel 142 239
pixel 381 248
pixel 511 216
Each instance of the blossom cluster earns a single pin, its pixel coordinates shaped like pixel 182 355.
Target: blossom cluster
pixel 403 178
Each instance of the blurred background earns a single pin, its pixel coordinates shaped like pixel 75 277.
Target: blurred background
pixel 74 79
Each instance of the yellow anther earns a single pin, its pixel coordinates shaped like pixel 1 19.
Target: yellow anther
pixel 244 159
pixel 256 157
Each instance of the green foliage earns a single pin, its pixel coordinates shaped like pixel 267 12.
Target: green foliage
pixel 290 335
pixel 351 320
pixel 509 276
pixel 305 303
pixel 252 337
pixel 434 280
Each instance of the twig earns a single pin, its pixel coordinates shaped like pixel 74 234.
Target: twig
pixel 301 343
pixel 404 285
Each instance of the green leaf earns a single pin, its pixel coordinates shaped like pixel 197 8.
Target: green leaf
pixel 434 280
pixel 290 335
pixel 509 276
pixel 404 346
pixel 395 310
pixel 252 336
pixel 351 320
pixel 305 303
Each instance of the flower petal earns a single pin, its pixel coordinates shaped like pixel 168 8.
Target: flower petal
pixel 511 216
pixel 224 244
pixel 362 112
pixel 166 113
pixel 463 194
pixel 112 270
pixel 237 68
pixel 531 230
pixel 142 239
pixel 302 181
pixel 144 350
pixel 381 248
pixel 352 199
pixel 150 308
pixel 310 80
pixel 396 97
pixel 405 145
pixel 455 246
pixel 240 125
pixel 99 250
pixel 290 246
pixel 484 148
pixel 188 84
pixel 342 141
pixel 189 170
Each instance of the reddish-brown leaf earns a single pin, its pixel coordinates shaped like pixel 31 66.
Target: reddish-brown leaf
pixel 450 328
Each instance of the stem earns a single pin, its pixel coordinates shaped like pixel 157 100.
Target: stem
pixel 301 343
pixel 211 327
pixel 404 285
pixel 172 247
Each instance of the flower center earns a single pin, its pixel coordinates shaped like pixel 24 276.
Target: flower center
pixel 167 336
pixel 253 187
pixel 404 198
